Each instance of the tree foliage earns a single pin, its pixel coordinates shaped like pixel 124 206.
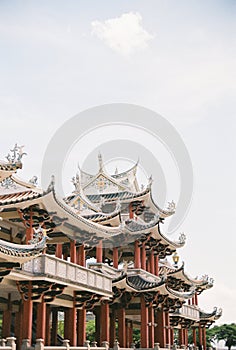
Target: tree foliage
pixel 226 332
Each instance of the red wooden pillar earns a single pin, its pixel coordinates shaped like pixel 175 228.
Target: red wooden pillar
pixel 193 300
pixel 41 320
pixel 181 336
pixel 97 325
pixel 28 315
pixel 55 325
pixel 130 334
pixel 171 336
pixel 112 327
pixel 204 337
pixel 167 323
pixel 200 335
pixel 105 335
pixel 196 299
pixel 115 257
pixel 131 213
pixel 18 327
pixel 148 263
pixel 152 262
pixel 81 327
pixel 143 257
pixel 137 260
pixel 151 326
pixel 29 230
pixel 144 324
pixel 59 250
pixel 81 255
pixel 160 333
pixel 186 336
pixel 72 252
pixel 156 261
pixel 70 325
pixel 121 327
pixel 194 336
pixel 99 252
pixel 6 322
pixel 127 333
pixel 48 326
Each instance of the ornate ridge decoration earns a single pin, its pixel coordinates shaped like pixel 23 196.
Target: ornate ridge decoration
pixel 8 183
pixel 16 154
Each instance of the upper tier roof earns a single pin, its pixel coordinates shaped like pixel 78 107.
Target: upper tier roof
pixel 121 181
pixel 179 278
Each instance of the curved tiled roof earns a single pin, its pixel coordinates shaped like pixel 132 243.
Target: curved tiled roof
pixel 140 284
pixel 11 167
pixel 211 316
pixel 112 197
pixel 21 252
pixel 203 283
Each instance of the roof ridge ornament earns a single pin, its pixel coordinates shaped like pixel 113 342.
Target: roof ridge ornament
pixel 171 206
pixel 16 154
pixel 76 182
pixel 8 183
pixel 100 162
pixel 182 238
pixel 52 183
pixel 150 181
pixel 34 180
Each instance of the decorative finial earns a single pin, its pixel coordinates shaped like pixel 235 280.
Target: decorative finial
pixel 76 182
pixel 34 180
pixel 100 162
pixel 182 238
pixel 52 183
pixel 150 181
pixel 16 154
pixel 116 171
pixel 171 206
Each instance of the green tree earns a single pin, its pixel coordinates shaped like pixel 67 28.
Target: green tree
pixel 90 330
pixel 226 332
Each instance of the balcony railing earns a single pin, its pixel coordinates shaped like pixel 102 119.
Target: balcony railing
pixel 66 272
pixel 189 311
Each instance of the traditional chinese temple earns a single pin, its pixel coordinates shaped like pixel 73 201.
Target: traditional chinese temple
pixel 99 250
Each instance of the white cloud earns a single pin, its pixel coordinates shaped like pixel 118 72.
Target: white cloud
pixel 124 34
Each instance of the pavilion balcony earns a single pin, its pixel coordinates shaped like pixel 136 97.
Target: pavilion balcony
pixel 188 311
pixel 50 268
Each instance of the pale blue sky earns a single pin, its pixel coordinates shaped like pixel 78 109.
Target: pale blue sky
pixel 60 57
